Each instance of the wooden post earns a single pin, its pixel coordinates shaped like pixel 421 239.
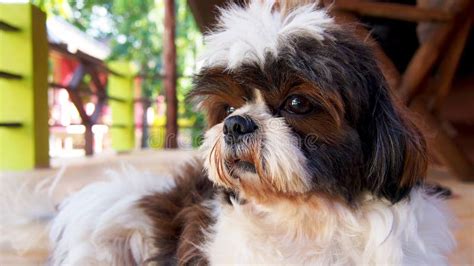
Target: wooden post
pixel 24 132
pixel 145 131
pixel 88 140
pixel 169 52
pixel 76 99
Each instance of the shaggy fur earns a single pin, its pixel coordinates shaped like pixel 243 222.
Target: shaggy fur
pixel 307 160
pixel 320 231
pixel 103 224
pixel 184 211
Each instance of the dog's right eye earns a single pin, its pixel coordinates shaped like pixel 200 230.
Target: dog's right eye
pixel 297 104
pixel 229 110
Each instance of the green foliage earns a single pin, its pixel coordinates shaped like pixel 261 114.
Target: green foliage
pixel 134 31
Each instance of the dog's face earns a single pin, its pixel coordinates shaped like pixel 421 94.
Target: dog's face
pixel 297 105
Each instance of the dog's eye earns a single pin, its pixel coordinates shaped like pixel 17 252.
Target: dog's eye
pixel 229 110
pixel 297 104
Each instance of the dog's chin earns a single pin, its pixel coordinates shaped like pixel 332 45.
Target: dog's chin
pixel 238 167
pixel 245 166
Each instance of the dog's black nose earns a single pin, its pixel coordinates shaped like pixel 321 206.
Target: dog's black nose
pixel 237 126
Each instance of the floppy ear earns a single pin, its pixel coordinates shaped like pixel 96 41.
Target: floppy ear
pixel 395 148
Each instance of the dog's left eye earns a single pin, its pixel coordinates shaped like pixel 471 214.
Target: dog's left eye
pixel 229 110
pixel 297 104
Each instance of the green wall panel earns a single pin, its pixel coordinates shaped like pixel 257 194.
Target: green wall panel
pixel 24 101
pixel 122 131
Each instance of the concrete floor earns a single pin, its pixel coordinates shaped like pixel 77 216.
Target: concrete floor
pixel 79 172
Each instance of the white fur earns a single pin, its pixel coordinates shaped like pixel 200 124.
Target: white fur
pixel 102 224
pixel 411 232
pixel 26 208
pixel 247 34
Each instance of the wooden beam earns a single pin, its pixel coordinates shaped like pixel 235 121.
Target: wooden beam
pixel 107 97
pixel 101 95
pixel 449 65
pixel 422 63
pixel 77 101
pixel 77 77
pixel 393 11
pixel 169 82
pixel 386 65
pixel 83 57
pixel 429 53
pixel 75 97
pixel 442 145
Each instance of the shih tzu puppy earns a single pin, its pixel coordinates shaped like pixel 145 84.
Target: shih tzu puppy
pixel 307 160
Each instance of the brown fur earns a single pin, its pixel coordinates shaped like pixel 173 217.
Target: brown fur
pixel 219 90
pixel 327 118
pixel 180 218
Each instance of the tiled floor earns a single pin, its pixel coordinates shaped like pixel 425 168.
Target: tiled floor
pixel 79 172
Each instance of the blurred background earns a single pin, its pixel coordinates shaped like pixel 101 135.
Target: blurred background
pixel 106 75
pixel 86 85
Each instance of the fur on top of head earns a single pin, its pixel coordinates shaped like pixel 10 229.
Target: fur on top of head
pixel 247 34
pixel 297 105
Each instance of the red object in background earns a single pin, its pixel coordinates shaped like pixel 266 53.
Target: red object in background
pixel 64 69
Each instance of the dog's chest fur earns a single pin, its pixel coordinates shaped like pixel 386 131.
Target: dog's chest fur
pixel 251 233
pixel 320 232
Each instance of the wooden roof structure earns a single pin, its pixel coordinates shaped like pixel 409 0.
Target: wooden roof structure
pixel 88 55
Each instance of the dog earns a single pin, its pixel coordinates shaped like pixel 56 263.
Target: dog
pixel 308 159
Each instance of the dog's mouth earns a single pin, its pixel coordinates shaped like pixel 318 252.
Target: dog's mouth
pixel 242 166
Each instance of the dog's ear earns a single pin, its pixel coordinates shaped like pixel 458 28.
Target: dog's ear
pixel 395 149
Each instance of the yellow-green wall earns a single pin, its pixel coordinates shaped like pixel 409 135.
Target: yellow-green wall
pixel 122 131
pixel 24 101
